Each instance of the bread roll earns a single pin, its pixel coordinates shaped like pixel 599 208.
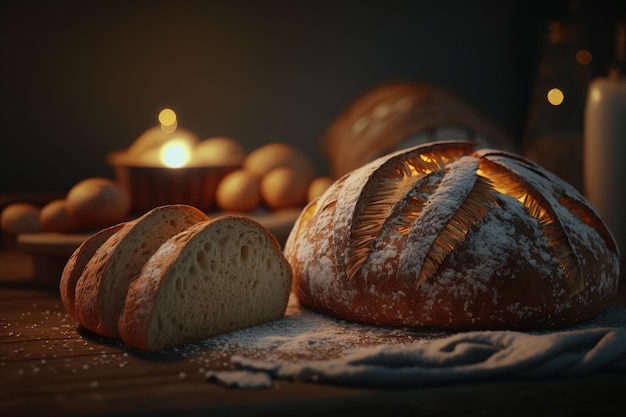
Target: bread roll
pixel 446 236
pixel 19 218
pixel 284 187
pixel 218 276
pixel 218 151
pixel 101 289
pixel 76 264
pixel 55 217
pixel 94 203
pixel 275 155
pixel 238 191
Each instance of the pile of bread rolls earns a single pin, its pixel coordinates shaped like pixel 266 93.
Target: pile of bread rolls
pixel 276 175
pixel 92 203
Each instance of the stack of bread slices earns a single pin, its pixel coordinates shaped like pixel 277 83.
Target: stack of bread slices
pixel 174 276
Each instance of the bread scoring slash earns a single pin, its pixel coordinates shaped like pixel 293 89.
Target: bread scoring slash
pixel 445 235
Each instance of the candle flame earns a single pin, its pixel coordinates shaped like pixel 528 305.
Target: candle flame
pixel 175 153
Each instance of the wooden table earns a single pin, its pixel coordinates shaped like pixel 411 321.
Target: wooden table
pixel 49 367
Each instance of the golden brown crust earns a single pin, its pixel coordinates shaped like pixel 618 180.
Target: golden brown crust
pixel 384 118
pixel 445 236
pixel 76 264
pixel 89 307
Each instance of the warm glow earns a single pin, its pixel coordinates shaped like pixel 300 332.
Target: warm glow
pixel 505 185
pixel 170 128
pixel 167 118
pixel 583 57
pixel 175 153
pixel 555 97
pixel 596 95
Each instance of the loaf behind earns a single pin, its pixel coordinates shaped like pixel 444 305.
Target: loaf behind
pixel 218 276
pixel 101 289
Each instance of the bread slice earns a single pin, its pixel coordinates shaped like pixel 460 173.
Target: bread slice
pixel 76 264
pixel 101 289
pixel 216 277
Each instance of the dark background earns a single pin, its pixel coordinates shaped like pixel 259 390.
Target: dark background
pixel 82 78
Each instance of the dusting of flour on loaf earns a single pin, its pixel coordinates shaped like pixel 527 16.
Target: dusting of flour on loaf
pixel 578 229
pixel 440 208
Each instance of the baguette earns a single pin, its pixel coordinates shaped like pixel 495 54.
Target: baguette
pixel 102 287
pixel 216 277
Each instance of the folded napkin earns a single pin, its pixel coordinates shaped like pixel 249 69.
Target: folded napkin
pixel 454 358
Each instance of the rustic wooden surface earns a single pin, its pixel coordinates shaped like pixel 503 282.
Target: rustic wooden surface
pixel 50 367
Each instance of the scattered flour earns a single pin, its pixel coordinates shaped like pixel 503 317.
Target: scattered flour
pixel 248 359
pixel 315 348
pixel 306 335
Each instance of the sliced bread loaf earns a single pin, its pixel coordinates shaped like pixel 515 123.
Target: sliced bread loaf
pixel 101 289
pixel 218 276
pixel 76 264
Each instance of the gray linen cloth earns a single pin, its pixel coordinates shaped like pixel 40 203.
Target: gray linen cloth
pixel 462 357
pixel 597 346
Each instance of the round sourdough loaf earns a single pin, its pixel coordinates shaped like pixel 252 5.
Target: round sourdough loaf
pixel 216 277
pixel 399 114
pixel 447 236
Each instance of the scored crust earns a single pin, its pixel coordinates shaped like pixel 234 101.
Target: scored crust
pixel 218 276
pixel 446 236
pixel 101 289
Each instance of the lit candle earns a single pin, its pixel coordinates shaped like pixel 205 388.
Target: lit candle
pixel 605 145
pixel 163 145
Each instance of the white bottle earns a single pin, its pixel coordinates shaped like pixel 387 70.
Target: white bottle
pixel 605 147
